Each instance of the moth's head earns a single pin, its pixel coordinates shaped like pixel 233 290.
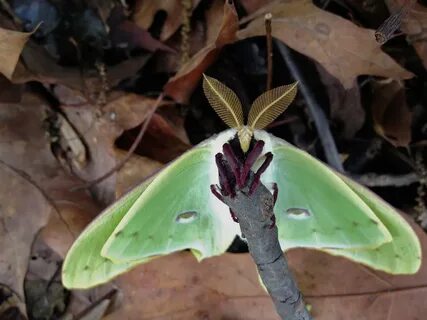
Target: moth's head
pixel 264 110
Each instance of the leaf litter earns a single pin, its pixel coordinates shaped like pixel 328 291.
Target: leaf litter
pixel 66 122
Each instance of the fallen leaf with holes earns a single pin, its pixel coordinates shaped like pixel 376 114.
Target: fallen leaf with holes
pixel 344 104
pixel 342 48
pixel 11 45
pixel 24 210
pixel 147 10
pixel 390 112
pixel 414 24
pixel 185 81
pixel 226 287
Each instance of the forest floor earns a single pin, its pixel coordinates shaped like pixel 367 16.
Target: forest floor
pixel 79 79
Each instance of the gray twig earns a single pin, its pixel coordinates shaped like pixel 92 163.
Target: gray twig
pixel 386 180
pixel 254 213
pixel 267 21
pixel 319 118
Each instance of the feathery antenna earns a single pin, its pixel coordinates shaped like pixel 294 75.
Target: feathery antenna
pixel 269 105
pixel 224 101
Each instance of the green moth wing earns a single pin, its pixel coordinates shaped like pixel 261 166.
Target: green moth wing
pixel 402 255
pixel 177 211
pixel 315 208
pixel 84 267
pixel 174 210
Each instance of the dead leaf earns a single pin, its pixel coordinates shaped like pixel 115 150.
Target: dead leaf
pixel 414 25
pixel 100 132
pixel 178 287
pixel 146 10
pixel 76 210
pixel 127 34
pixel 226 287
pixel 11 306
pixel 161 141
pixel 253 5
pixel 342 48
pixel 11 45
pixel 213 23
pixel 345 106
pixel 185 81
pixel 45 296
pixel 24 142
pixel 390 112
pixel 135 170
pixel 24 210
pixel 23 134
pixel 9 92
pixel 38 65
pixel 339 289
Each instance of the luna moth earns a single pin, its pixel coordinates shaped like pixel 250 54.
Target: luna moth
pixel 175 210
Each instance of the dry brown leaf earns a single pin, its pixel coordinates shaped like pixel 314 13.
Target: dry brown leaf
pixel 213 23
pixel 185 81
pixel 253 5
pixel 342 48
pixel 414 24
pixel 178 287
pixel 146 11
pixel 100 132
pixel 25 144
pixel 24 210
pixel 135 170
pixel 9 92
pixel 11 306
pixel 345 106
pixel 162 141
pixel 390 112
pixel 11 45
pixel 339 289
pixel 226 287
pixel 39 66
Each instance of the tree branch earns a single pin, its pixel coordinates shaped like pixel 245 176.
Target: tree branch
pixel 255 214
pixel 319 118
pixel 386 180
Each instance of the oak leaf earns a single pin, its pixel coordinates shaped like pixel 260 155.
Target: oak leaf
pixel 342 48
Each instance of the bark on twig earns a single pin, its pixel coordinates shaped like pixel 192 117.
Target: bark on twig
pixel 319 118
pixel 254 213
pixel 267 20
pixel 386 180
